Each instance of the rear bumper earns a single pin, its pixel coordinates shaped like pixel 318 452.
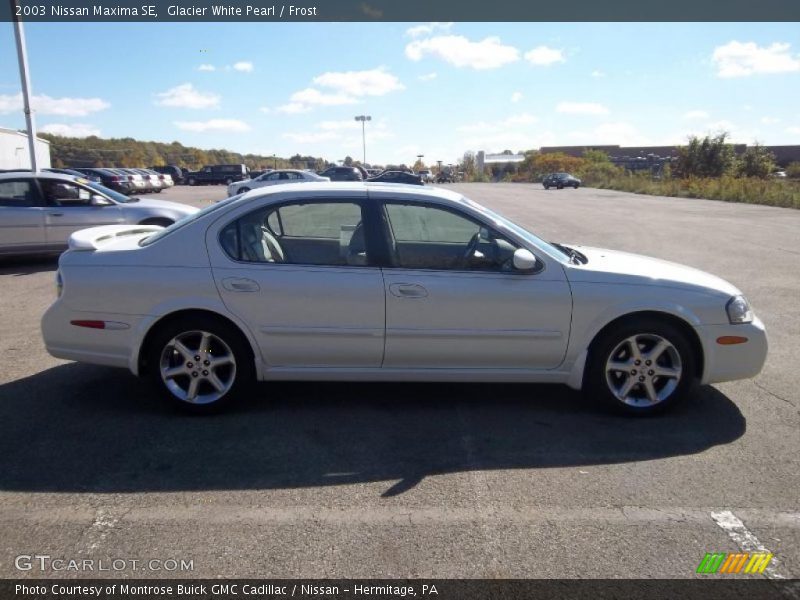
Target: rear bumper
pixel 737 361
pixel 111 347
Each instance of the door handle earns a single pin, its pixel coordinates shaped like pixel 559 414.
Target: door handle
pixel 408 290
pixel 240 284
pixel 56 214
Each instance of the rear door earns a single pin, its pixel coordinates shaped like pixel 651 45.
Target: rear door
pixel 68 208
pixel 299 275
pixel 21 216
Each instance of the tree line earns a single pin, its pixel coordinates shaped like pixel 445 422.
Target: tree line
pixel 127 152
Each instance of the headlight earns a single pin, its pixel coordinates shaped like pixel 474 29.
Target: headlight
pixel 738 310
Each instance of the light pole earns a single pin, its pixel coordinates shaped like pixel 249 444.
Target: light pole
pixel 22 57
pixel 420 157
pixel 364 119
pixel 274 162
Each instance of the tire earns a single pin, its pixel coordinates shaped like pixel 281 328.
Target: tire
pixel 192 181
pixel 648 393
pixel 547 187
pixel 158 191
pixel 218 387
pixel 559 187
pixel 242 190
pixel 228 181
pixel 576 186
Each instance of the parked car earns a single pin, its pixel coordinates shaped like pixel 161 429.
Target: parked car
pixel 140 186
pixel 389 283
pixel 174 171
pixel 560 181
pixel 343 174
pixel 217 174
pixel 153 179
pixel 110 179
pixel 274 178
pixel 397 177
pixel 444 177
pixel 425 175
pixel 74 173
pixel 38 212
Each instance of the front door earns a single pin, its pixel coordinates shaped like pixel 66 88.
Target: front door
pixel 298 274
pixel 454 300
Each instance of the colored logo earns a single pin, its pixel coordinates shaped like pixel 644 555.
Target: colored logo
pixel 740 562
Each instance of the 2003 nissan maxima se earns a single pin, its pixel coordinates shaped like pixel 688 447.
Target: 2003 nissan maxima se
pixel 376 282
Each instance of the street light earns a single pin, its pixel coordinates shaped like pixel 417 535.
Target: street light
pixel 22 59
pixel 364 119
pixel 274 162
pixel 420 157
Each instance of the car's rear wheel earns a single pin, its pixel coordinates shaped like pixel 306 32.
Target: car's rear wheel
pixel 242 190
pixel 641 367
pixel 200 364
pixel 192 181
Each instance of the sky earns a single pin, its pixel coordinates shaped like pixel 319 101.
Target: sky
pixel 436 89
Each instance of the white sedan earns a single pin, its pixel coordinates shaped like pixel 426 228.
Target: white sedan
pixel 274 178
pixel 376 282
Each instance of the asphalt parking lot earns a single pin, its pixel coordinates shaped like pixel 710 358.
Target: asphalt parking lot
pixel 408 480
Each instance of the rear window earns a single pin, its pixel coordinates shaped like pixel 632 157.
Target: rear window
pixel 187 220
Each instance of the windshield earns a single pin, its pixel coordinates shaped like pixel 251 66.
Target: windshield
pixel 520 231
pixel 186 220
pixel 115 196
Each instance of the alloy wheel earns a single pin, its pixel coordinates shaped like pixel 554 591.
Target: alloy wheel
pixel 643 370
pixel 197 367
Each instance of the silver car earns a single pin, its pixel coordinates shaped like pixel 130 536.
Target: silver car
pixel 38 212
pixel 386 282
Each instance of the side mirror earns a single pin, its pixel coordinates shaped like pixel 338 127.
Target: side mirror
pixel 97 200
pixel 524 260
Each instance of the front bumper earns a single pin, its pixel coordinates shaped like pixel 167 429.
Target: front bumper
pixel 737 361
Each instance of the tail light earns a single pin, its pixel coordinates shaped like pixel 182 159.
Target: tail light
pixel 131 178
pixel 114 178
pixel 161 177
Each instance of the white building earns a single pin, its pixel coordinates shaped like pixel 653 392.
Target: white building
pixel 14 151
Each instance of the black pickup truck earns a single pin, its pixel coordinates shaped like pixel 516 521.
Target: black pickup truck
pixel 217 174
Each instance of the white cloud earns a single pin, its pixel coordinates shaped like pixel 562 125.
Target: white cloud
pixel 74 130
pixel 457 50
pixel 243 66
pixel 339 125
pixel 346 88
pixel 293 108
pixel 427 77
pixel 794 130
pixel 225 125
pixel 420 30
pixel 66 107
pixel 186 96
pixel 265 109
pixel 375 82
pixel 696 114
pixel 597 73
pixel 516 96
pixel 770 120
pixel 581 108
pixel 740 59
pixel 544 57
pixel 206 67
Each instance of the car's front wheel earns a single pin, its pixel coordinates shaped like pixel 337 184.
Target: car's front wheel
pixel 192 181
pixel 200 364
pixel 641 367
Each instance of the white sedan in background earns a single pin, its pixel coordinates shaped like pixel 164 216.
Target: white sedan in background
pixel 377 282
pixel 274 178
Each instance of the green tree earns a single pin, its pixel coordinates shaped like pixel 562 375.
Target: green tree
pixel 793 170
pixel 706 157
pixel 757 161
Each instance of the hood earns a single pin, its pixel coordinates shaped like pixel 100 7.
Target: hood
pixel 145 202
pixel 612 266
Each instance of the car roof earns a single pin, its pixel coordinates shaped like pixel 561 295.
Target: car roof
pixel 48 174
pixel 313 189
